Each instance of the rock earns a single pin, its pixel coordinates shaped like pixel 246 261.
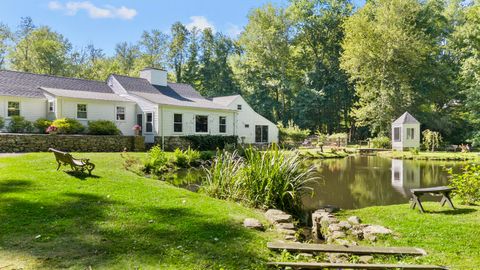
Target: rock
pixel 337 257
pixel 354 220
pixel 376 230
pixel 287 232
pixel 334 227
pixel 290 238
pixel 286 226
pixel 337 234
pixel 358 233
pixel 342 242
pixel 277 216
pixel 330 208
pixel 252 223
pixel 365 259
pixel 370 237
pixel 344 225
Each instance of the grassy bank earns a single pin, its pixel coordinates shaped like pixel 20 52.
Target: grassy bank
pixel 452 156
pixel 116 219
pixel 449 237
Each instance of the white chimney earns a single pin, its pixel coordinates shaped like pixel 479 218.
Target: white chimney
pixel 154 76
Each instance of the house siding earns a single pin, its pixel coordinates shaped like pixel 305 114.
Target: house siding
pixel 30 108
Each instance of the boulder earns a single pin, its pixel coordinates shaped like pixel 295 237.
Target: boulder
pixel 252 223
pixel 365 259
pixel 334 227
pixel 354 220
pixel 337 234
pixel 286 226
pixel 376 230
pixel 344 225
pixel 277 216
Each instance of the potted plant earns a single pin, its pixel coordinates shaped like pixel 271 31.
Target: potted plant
pixel 137 128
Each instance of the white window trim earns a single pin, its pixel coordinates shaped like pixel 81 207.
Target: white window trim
pixel 146 122
pixel 124 113
pixel 219 124
pixel 6 108
pixel 86 111
pixel 53 106
pixel 183 128
pixel 195 124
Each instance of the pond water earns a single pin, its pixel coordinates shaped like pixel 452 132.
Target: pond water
pixel 361 181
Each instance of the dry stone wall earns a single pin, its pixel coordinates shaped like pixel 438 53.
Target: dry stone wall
pixel 14 143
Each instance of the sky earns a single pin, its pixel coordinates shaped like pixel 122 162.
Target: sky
pixel 106 23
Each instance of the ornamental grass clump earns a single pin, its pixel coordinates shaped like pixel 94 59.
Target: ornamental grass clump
pixel 262 179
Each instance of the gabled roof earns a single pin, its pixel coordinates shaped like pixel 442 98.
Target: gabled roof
pixel 82 95
pixel 406 118
pixel 225 100
pixel 175 94
pixel 24 84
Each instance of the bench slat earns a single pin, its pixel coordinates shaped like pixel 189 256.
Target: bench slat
pixel 432 189
pixel 345 249
pixel 304 265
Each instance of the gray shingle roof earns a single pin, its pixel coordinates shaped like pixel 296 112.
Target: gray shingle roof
pixel 175 94
pixel 14 83
pixel 82 95
pixel 225 100
pixel 406 118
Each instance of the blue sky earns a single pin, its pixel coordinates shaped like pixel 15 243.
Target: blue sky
pixel 106 23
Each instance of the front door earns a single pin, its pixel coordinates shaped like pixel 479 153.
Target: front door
pixel 140 122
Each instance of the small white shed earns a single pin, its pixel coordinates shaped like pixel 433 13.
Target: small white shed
pixel 405 132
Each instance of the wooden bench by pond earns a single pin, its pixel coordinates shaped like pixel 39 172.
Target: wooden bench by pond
pixel 442 190
pixel 66 159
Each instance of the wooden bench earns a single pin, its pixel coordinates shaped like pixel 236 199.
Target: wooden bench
pixel 309 265
pixel 442 190
pixel 66 159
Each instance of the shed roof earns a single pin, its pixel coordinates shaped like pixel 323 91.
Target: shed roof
pixel 406 118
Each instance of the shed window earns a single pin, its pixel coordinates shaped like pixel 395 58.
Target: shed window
pixel 13 108
pixel 177 122
pixel 410 133
pixel 149 122
pixel 222 127
pixel 82 111
pixel 396 134
pixel 247 126
pixel 201 123
pixel 120 113
pixel 51 106
pixel 261 134
pixel 239 106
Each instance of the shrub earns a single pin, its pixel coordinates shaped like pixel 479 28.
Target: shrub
pixel 466 184
pixel 292 134
pixel 381 142
pixel 68 126
pixel 339 139
pixel 210 142
pixel 414 151
pixel 187 158
pixel 207 155
pixel 102 127
pixel 2 122
pixel 157 161
pixel 321 139
pixel 42 124
pixel 265 179
pixel 18 124
pixel 431 139
pixel 133 164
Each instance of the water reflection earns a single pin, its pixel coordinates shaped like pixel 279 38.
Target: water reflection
pixel 362 181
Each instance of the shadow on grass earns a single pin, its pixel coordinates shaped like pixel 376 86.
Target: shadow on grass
pixel 81 175
pixel 10 186
pixel 457 211
pixel 82 230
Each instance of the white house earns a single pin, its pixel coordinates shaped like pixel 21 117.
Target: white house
pixel 405 132
pixel 163 109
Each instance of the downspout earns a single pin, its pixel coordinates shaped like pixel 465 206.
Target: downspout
pixel 161 132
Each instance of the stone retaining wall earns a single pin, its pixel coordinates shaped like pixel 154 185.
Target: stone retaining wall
pixel 10 143
pixel 173 142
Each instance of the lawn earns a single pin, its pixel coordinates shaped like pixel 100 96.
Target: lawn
pixel 472 156
pixel 450 237
pixel 118 220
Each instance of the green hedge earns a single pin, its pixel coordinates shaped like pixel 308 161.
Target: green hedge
pixel 210 142
pixel 103 127
pixel 18 124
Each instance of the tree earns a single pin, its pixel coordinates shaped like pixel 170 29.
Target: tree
pixel 388 48
pixel 22 53
pixel 192 67
pixel 154 47
pixel 178 48
pixel 5 37
pixel 431 139
pixel 319 33
pixel 126 56
pixel 42 51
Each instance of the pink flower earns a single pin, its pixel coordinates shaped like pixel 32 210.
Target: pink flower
pixel 51 129
pixel 137 128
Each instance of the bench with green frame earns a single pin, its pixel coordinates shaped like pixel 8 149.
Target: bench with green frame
pixel 77 165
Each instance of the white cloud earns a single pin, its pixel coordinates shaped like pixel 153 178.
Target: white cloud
pixel 72 8
pixel 200 22
pixel 234 30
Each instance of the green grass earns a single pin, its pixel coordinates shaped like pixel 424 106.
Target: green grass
pixel 450 237
pixel 431 155
pixel 117 220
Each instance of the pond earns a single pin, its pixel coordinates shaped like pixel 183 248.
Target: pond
pixel 362 181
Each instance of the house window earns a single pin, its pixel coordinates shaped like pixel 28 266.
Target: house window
pixel 396 134
pixel 410 133
pixel 239 106
pixel 13 108
pixel 120 113
pixel 247 126
pixel 51 106
pixel 222 128
pixel 149 123
pixel 201 123
pixel 82 111
pixel 177 122
pixel 261 134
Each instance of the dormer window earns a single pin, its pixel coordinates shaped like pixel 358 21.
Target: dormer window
pixel 239 106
